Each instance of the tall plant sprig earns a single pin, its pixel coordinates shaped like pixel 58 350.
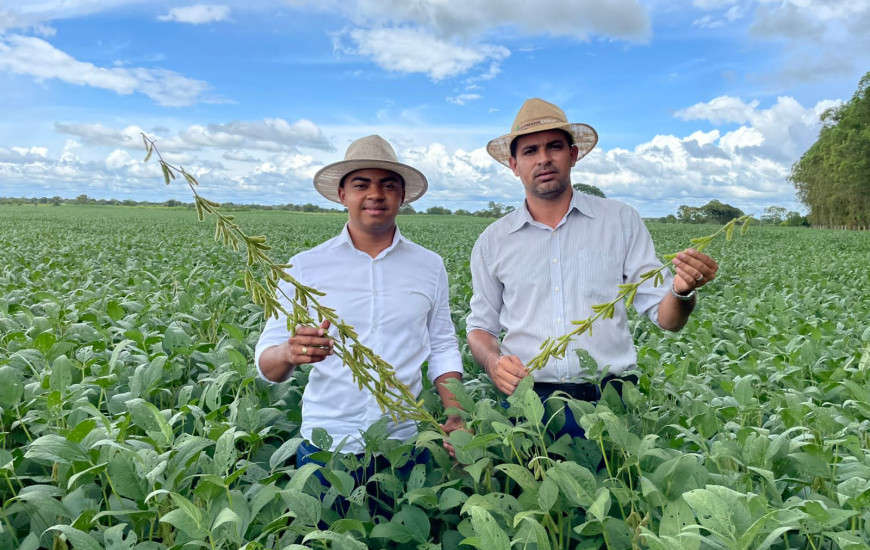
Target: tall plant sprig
pixel 369 370
pixel 556 347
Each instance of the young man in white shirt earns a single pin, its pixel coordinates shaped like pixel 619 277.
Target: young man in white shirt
pixel 392 291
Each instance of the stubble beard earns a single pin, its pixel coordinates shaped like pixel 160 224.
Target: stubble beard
pixel 551 190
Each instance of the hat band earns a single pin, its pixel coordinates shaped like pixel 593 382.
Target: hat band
pixel 536 122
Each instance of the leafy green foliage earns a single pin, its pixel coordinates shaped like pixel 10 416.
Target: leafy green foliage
pixel 833 177
pixel 131 416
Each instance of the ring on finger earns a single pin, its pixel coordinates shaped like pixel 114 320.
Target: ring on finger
pixel 304 350
pixel 700 277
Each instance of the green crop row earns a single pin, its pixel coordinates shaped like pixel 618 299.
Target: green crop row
pixel 131 416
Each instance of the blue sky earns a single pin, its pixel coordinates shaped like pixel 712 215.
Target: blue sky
pixel 692 100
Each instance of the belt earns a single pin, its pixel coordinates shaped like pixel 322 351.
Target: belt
pixel 582 391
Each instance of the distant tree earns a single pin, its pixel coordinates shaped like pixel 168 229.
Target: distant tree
pixel 832 178
pixel 439 210
pixel 774 215
pixel 56 201
pixel 689 214
pixel 712 212
pixel 720 213
pixel 407 209
pixel 495 210
pixel 172 203
pixel 462 212
pixel 794 219
pixel 83 199
pixel 589 190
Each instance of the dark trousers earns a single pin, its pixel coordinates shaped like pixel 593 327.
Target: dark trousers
pixel 362 474
pixel 583 392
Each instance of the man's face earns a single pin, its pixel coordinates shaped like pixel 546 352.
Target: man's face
pixel 372 197
pixel 543 163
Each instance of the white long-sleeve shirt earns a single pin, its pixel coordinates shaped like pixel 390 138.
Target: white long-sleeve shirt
pixel 398 306
pixel 531 281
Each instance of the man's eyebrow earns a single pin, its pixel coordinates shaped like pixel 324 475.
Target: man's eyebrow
pixel 391 177
pixel 361 178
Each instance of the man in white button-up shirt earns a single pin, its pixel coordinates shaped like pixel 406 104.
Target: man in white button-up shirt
pixel 392 291
pixel 545 264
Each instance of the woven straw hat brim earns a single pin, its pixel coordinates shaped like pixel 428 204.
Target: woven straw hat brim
pixel 585 138
pixel 326 180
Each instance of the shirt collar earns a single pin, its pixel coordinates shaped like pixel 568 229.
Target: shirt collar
pixel 344 239
pixel 521 216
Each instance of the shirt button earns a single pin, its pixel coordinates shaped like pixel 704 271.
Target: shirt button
pixel 559 320
pixel 562 379
pixel 557 289
pixel 555 260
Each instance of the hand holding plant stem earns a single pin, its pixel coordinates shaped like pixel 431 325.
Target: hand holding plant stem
pixel 556 347
pixel 368 369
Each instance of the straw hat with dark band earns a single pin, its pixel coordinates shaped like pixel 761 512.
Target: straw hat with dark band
pixel 369 152
pixel 537 115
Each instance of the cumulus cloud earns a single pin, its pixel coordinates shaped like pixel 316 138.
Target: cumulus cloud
pixel 31 56
pixel 622 19
pixel 747 167
pixel 820 40
pixel 410 50
pixel 441 37
pixel 271 134
pixel 720 110
pixel 197 14
pixel 745 163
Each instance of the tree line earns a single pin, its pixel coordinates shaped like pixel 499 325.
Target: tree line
pixel 833 177
pixel 713 212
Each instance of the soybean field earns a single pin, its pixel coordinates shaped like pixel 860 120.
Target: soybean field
pixel 132 418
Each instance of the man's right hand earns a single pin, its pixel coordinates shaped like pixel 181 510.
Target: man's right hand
pixel 309 345
pixel 506 373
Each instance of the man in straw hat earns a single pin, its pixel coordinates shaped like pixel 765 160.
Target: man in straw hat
pixel 392 291
pixel 544 265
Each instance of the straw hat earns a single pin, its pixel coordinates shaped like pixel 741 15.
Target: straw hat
pixel 537 115
pixel 369 152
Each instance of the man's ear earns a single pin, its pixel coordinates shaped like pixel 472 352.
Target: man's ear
pixel 341 195
pixel 513 164
pixel 575 152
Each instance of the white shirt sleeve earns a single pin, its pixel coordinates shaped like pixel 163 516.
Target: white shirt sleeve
pixel 486 299
pixel 275 332
pixel 444 356
pixel 640 258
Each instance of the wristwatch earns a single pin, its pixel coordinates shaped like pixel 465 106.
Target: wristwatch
pixel 683 297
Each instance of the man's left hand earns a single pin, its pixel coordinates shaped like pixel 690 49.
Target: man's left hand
pixel 693 270
pixel 453 423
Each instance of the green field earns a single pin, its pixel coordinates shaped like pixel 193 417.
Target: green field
pixel 131 416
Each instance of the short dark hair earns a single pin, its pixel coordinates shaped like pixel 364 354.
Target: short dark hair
pixel 344 177
pixel 568 137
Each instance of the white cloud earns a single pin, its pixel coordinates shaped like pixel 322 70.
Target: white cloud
pixel 462 99
pixel 27 55
pixel 720 110
pixel 416 51
pixel 197 14
pixel 98 134
pixel 820 40
pixel 622 19
pixel 271 134
pixel 746 165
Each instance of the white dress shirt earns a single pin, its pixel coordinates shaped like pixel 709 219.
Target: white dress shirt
pixel 531 281
pixel 398 306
